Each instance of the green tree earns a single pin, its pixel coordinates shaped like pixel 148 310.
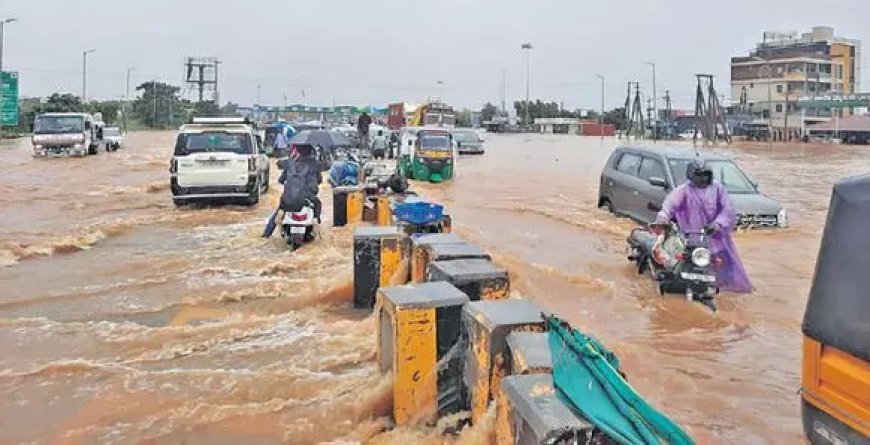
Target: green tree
pixel 158 105
pixel 488 112
pixel 615 116
pixel 230 109
pixel 463 118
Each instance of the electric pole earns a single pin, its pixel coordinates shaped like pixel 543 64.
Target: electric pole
pixel 601 113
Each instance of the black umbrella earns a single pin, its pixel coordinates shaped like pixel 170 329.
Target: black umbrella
pixel 323 138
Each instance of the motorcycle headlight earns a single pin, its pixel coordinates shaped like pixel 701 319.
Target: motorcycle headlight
pixel 701 257
pixel 782 218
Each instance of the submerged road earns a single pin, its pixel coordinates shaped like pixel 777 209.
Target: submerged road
pixel 124 319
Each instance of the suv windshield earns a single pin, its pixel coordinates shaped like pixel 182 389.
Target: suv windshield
pixel 435 142
pixel 111 131
pixel 466 136
pixel 724 171
pixel 212 141
pixel 58 124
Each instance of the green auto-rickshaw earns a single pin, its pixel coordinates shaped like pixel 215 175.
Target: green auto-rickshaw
pixel 430 157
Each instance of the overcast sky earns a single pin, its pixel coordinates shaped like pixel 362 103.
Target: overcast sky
pixel 377 52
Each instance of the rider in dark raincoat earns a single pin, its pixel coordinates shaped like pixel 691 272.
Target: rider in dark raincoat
pixel 702 203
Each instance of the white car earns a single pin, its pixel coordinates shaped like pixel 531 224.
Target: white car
pixel 218 158
pixel 113 137
pixel 688 135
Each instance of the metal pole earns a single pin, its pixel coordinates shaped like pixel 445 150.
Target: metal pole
pixel 528 48
pixel 601 114
pixel 85 74
pixel 655 118
pixel 153 103
pixel 2 25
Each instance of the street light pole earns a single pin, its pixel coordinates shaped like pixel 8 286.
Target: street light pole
pixel 85 74
pixel 601 114
pixel 127 98
pixel 654 120
pixel 528 48
pixel 2 26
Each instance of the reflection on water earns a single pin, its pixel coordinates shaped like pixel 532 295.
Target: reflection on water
pixel 124 319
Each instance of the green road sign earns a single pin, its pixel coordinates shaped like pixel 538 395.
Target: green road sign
pixel 9 98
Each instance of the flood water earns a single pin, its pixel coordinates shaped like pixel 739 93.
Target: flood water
pixel 125 320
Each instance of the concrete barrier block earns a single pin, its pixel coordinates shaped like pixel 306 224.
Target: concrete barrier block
pixel 419 341
pixel 486 326
pixel 528 353
pixel 530 412
pixel 430 253
pixel 380 260
pixel 479 279
pixel 347 205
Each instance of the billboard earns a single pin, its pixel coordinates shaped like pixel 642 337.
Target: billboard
pixel 9 99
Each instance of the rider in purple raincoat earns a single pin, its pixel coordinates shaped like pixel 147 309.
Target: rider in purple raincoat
pixel 701 203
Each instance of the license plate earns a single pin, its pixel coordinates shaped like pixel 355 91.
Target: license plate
pixel 698 277
pixel 297 230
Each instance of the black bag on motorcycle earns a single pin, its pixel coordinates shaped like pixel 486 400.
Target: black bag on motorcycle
pixel 298 187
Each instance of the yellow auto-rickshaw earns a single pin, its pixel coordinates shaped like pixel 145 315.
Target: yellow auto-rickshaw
pixel 432 157
pixel 835 385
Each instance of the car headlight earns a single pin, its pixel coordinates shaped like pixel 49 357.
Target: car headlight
pixel 782 218
pixel 37 147
pixel 77 146
pixel 701 257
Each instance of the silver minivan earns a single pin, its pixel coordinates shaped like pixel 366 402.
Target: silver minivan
pixel 218 158
pixel 636 180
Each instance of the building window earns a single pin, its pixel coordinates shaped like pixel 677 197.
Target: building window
pixel 779 88
pixel 779 108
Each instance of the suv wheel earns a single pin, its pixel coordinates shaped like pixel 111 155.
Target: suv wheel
pixel 254 198
pixel 604 203
pixel 93 148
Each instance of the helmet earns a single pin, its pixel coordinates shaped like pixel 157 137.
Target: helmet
pixel 697 167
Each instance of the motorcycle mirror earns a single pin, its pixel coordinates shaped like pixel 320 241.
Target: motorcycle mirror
pixel 658 182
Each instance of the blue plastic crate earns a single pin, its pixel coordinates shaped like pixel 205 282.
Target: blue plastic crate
pixel 419 213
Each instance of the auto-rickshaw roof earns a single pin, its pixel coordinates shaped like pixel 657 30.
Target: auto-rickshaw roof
pixel 838 308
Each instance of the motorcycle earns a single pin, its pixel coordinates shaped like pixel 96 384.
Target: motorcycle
pixel 298 227
pixel 679 261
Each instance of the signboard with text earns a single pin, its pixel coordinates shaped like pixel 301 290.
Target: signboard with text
pixel 835 101
pixel 9 98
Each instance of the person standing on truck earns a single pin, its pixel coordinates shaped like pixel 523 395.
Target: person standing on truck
pixel 379 145
pixel 362 128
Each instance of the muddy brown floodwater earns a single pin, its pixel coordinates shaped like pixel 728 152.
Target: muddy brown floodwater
pixel 126 320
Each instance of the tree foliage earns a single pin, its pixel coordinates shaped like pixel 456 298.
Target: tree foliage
pixel 488 112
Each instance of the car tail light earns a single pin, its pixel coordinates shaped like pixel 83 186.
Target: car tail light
pixel 173 166
pixel 298 216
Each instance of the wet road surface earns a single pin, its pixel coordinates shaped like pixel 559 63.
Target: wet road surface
pixel 124 319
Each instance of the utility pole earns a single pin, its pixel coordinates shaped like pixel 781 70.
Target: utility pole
pixel 655 117
pixel 85 74
pixel 527 47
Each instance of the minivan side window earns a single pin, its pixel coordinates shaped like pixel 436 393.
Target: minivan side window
pixel 651 168
pixel 628 164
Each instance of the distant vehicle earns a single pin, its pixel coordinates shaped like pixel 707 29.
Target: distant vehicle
pixel 400 114
pixel 218 158
pixel 431 157
pixel 636 180
pixel 688 135
pixel 76 134
pixel 468 141
pixel 272 132
pixel 114 138
pixel 434 113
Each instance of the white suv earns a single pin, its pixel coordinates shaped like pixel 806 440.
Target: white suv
pixel 218 158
